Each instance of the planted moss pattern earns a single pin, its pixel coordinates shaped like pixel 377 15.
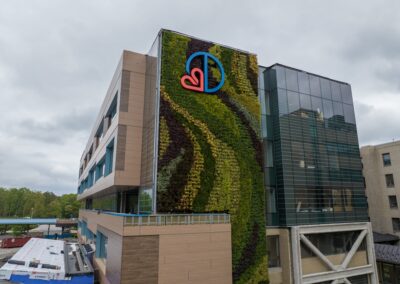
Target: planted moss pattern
pixel 210 156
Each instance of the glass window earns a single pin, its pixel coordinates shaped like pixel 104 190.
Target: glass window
pixel 326 88
pixel 280 77
pixel 333 243
pixel 393 201
pixel 335 88
pixel 315 88
pixel 101 245
pixel 271 200
pixel 349 114
pixel 305 102
pixel 291 80
pixel 328 109
pixel 396 224
pixel 317 106
pixel 268 154
pixel 386 159
pixel 109 158
pixel 346 93
pixel 100 168
pixel 361 279
pixel 387 273
pixel 304 82
pixel 106 203
pixel 389 180
pixel 282 100
pixel 145 200
pixel 273 251
pixel 293 101
pixel 337 108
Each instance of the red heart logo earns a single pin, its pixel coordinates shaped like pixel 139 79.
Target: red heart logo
pixel 196 79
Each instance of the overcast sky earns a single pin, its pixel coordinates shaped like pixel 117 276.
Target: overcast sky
pixel 57 59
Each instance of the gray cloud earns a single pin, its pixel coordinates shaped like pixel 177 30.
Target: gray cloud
pixel 57 59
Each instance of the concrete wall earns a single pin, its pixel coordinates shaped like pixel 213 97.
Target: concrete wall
pixel 377 192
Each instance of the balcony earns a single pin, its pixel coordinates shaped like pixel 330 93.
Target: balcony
pixel 128 224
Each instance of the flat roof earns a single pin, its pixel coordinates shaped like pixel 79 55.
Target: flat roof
pixel 299 70
pixel 387 253
pixel 383 145
pixel 50 259
pixel 38 256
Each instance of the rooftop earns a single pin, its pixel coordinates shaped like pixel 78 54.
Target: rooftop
pixel 383 238
pixel 38 256
pixel 49 258
pixel 387 253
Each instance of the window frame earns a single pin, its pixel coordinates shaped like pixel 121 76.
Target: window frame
pixel 395 204
pixel 386 163
pixel 388 185
pixel 398 224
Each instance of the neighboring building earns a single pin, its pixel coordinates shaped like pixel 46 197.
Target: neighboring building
pixel 381 164
pixel 43 260
pixel 388 260
pixel 172 185
pixel 385 239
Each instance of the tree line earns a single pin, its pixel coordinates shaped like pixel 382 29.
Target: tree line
pixel 26 203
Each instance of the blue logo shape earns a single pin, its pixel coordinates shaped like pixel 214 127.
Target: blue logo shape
pixel 206 56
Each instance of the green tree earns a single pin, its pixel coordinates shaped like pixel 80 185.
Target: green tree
pixel 24 202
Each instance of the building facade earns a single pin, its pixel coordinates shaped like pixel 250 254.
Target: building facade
pixel 204 167
pixel 313 176
pixel 382 181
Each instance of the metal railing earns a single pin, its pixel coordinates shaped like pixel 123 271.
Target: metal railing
pixel 177 219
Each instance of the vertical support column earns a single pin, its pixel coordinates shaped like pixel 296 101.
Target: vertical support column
pixel 296 255
pixel 371 254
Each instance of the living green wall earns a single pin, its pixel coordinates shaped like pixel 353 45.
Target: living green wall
pixel 210 154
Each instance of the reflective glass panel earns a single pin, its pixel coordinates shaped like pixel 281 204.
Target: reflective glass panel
pixel 280 77
pixel 328 108
pixel 282 100
pixel 291 80
pixel 293 101
pixel 314 86
pixel 346 93
pixel 335 87
pixel 305 102
pixel 349 114
pixel 304 82
pixel 326 89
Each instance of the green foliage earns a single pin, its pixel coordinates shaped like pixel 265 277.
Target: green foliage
pixel 18 230
pixel 23 202
pixel 225 127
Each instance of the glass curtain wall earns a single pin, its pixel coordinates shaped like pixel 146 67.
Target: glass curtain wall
pixel 316 175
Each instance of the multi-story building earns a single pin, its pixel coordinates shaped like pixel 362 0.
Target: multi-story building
pixel 204 167
pixel 381 165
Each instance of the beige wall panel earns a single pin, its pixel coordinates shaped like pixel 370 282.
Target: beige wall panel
pixel 140 260
pixel 133 61
pixel 196 257
pixel 276 276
